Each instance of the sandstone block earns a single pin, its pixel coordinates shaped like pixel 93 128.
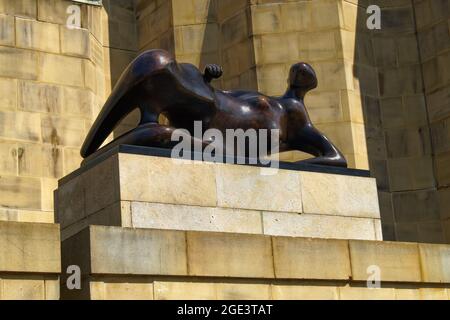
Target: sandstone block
pixel 8 94
pixel 22 289
pixel 435 262
pixel 363 293
pixel 152 180
pixel 20 125
pixel 32 34
pixel 178 217
pixel 18 63
pixel 20 192
pixel 75 42
pixel 138 252
pixel 232 291
pixel 318 226
pixel 39 160
pixel 8 156
pixel 121 289
pixel 29 247
pixel 397 261
pixel 52 288
pixel 61 69
pixel 62 131
pixel 307 292
pixel 266 19
pixel 259 189
pixel 7 35
pixel 39 97
pixel 433 294
pixel 229 255
pixel 303 258
pixel 184 291
pixel 55 11
pixel 339 195
pixel 24 8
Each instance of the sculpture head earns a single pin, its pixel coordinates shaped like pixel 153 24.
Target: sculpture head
pixel 302 77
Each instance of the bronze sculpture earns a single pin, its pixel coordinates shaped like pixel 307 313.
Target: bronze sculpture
pixel 156 84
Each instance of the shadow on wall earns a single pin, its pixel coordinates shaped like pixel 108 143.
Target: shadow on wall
pixel 387 66
pixel 120 49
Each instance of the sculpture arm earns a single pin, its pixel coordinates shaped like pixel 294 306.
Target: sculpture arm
pixel 212 71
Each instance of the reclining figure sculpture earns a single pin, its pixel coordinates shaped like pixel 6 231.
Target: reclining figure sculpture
pixel 156 84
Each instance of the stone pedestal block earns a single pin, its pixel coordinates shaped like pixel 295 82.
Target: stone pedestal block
pixel 30 261
pixel 127 189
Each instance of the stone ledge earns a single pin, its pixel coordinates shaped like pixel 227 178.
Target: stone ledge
pixel 176 288
pixel 163 216
pixel 30 248
pixel 147 252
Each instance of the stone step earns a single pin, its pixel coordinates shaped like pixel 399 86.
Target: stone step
pixel 164 264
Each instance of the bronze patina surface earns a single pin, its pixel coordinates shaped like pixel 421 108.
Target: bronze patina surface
pixel 156 84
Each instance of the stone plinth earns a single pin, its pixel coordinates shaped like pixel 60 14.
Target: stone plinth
pixel 30 261
pixel 124 263
pixel 155 192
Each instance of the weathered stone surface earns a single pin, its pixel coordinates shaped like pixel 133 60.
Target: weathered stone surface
pixel 229 255
pixel 234 291
pixel 184 291
pixel 25 8
pixel 435 263
pixel 60 69
pixel 20 125
pixel 121 289
pixel 151 179
pixel 75 42
pixel 62 131
pixel 25 288
pixel 52 288
pixel 434 294
pixel 39 97
pixel 397 261
pixel 303 258
pixel 306 292
pixel 8 94
pixel 318 226
pixel 178 217
pixel 363 293
pixel 18 63
pixel 8 156
pixel 138 252
pixel 32 34
pixel 7 34
pixel 54 11
pixel 29 247
pixel 246 187
pixel 339 195
pixel 20 193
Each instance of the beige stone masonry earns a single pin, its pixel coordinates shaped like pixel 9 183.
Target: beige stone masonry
pixel 29 247
pixel 141 191
pixel 30 261
pixel 162 264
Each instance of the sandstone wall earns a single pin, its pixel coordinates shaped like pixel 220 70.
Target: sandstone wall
pixel 52 84
pixel 433 27
pixel 404 111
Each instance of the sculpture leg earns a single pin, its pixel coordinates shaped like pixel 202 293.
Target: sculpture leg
pixel 312 141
